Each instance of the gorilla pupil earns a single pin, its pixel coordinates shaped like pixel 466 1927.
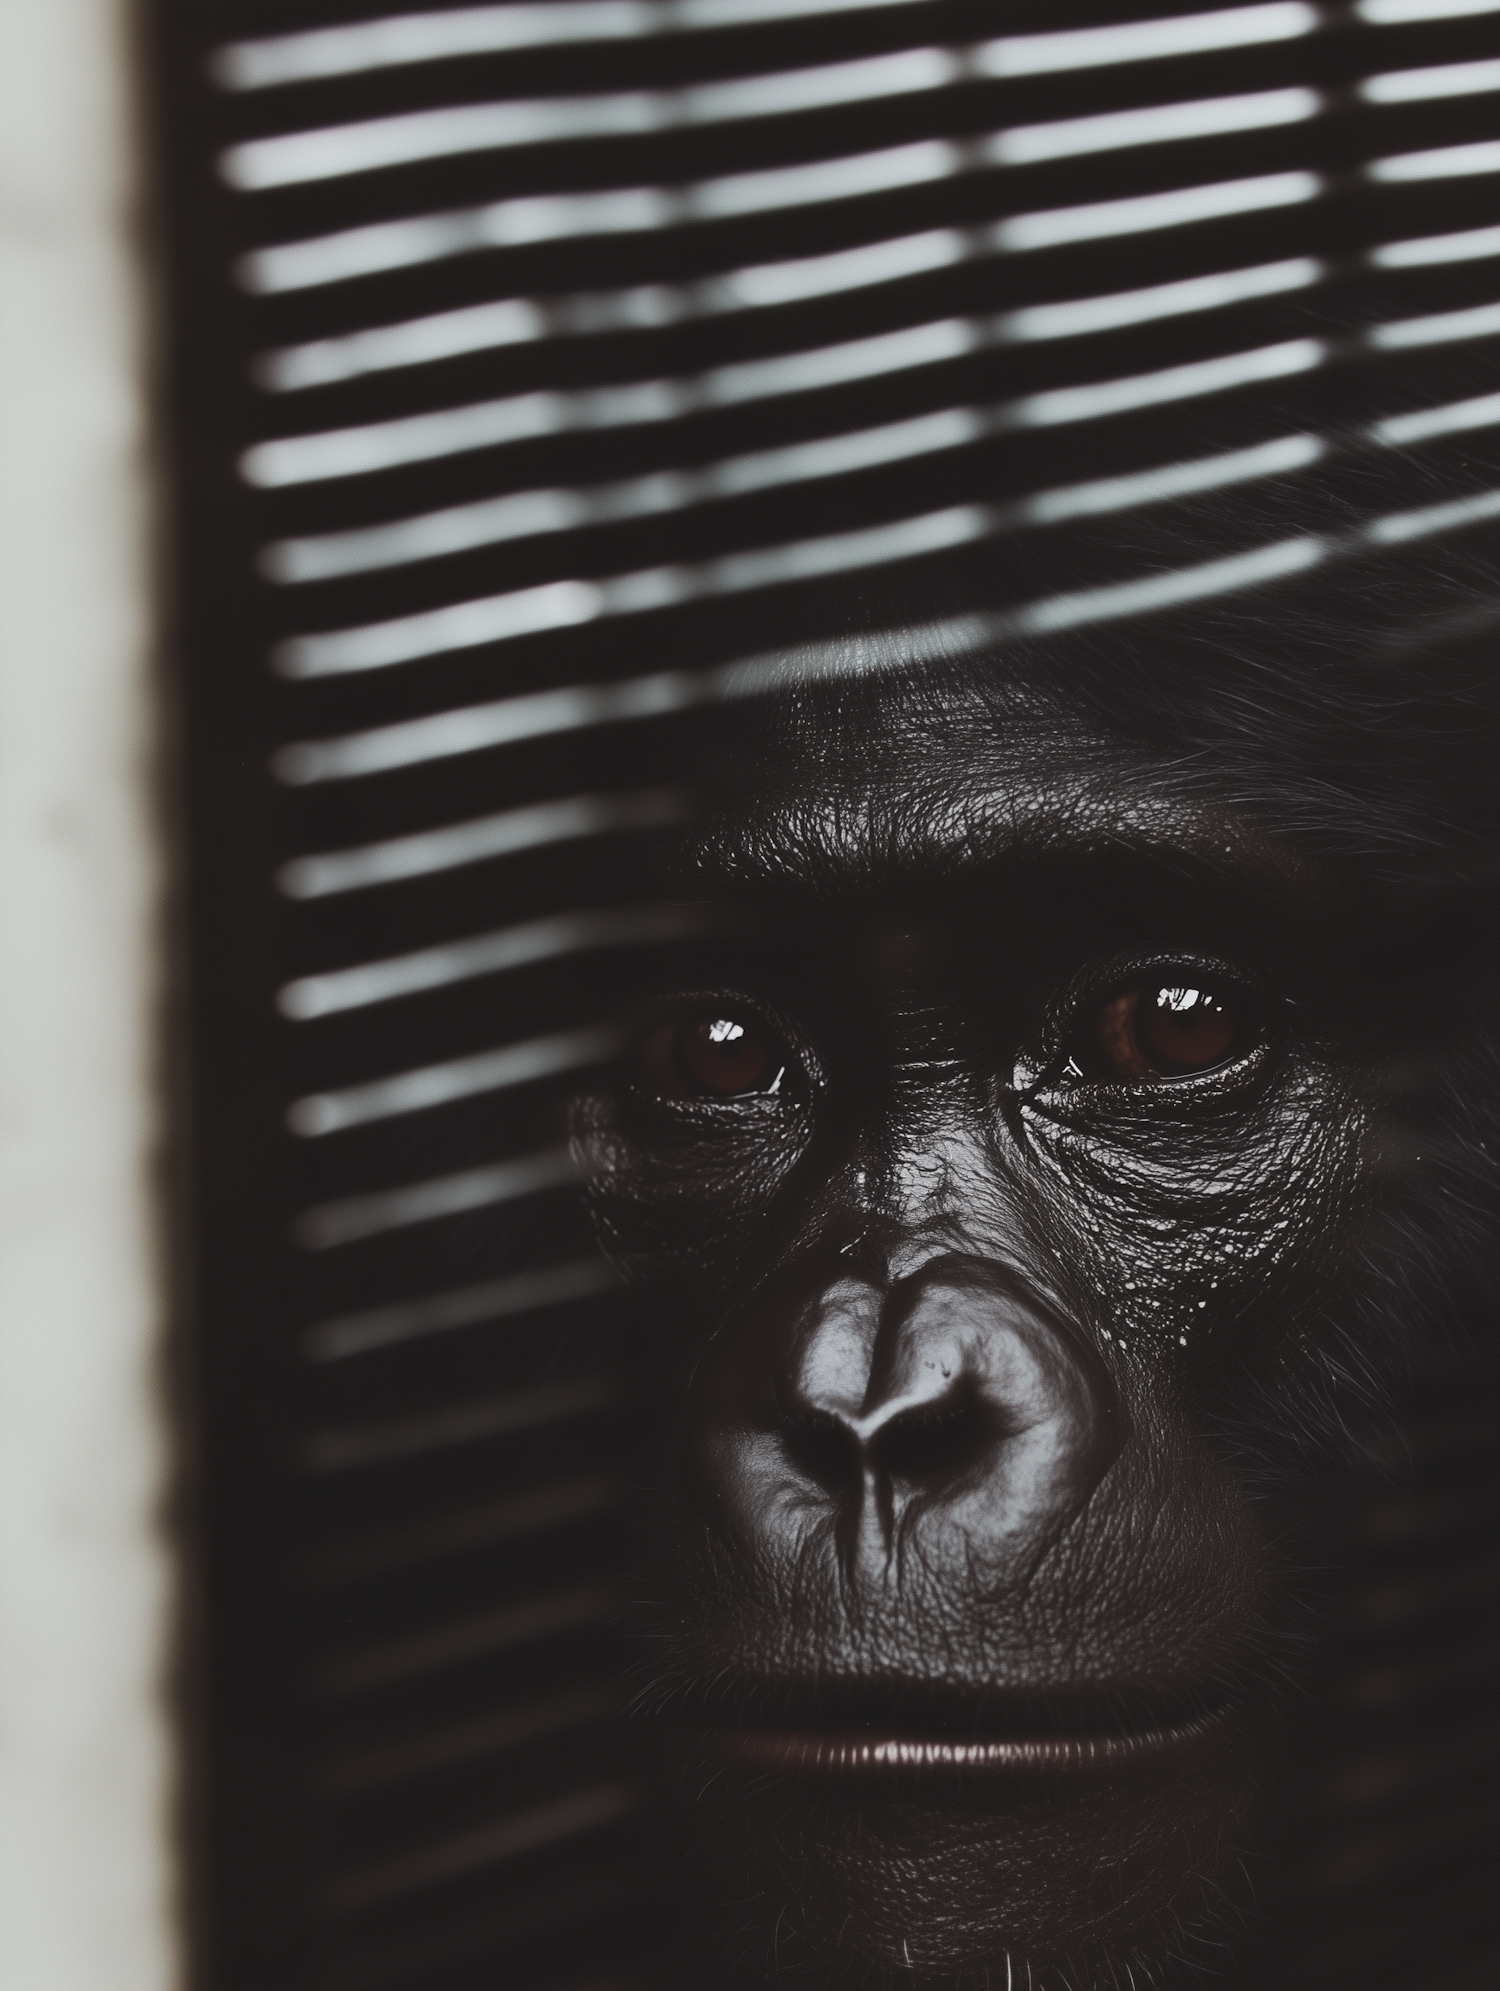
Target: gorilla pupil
pixel 1166 1032
pixel 722 1056
pixel 1187 1028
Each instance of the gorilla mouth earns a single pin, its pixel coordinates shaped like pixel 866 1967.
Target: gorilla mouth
pixel 1073 1730
pixel 860 1754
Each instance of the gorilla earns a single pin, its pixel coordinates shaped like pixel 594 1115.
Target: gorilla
pixel 1036 1181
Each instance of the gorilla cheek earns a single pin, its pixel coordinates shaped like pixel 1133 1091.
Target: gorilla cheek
pixel 1170 1232
pixel 672 1201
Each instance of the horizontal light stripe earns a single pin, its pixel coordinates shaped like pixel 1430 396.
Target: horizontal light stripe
pixel 1390 13
pixel 534 512
pixel 642 307
pixel 541 823
pixel 1453 418
pixel 479 1850
pixel 339 150
pixel 471 1420
pixel 1413 86
pixel 1157 124
pixel 552 217
pixel 1398 527
pixel 1046 507
pixel 1172 480
pixel 1146 41
pixel 1143 213
pixel 373 1765
pixel 452 1644
pixel 533 715
pixel 1480 322
pixel 354 1218
pixel 312 996
pixel 465 1423
pixel 1468 245
pixel 321 1113
pixel 526 514
pixel 1214 577
pixel 488 424
pixel 373 144
pixel 475 728
pixel 452 1531
pixel 507 224
pixel 497 618
pixel 400 40
pixel 357 148
pixel 572 708
pixel 376 446
pixel 1097 399
pixel 461 626
pixel 476 328
pixel 1450 162
pixel 763 285
pixel 483 327
pixel 1077 317
pixel 849 550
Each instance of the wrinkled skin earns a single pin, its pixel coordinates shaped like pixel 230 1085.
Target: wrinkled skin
pixel 978 1620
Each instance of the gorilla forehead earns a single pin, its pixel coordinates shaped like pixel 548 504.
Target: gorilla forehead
pixel 911 776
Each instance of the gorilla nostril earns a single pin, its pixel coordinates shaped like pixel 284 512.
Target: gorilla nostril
pixel 949 1409
pixel 937 1442
pixel 825 1449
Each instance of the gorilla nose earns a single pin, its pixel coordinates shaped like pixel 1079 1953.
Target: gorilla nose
pixel 953 1401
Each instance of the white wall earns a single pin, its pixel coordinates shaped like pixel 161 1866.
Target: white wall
pixel 86 1893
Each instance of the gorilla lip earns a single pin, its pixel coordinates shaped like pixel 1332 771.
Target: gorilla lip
pixel 1077 1732
pixel 834 1754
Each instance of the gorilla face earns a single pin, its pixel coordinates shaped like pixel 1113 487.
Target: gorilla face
pixel 994 1184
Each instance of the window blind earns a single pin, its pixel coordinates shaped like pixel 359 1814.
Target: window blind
pixel 542 373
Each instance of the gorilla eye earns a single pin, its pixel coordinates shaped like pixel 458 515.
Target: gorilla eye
pixel 1163 1030
pixel 713 1057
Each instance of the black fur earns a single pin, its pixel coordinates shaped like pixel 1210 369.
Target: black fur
pixel 1320 792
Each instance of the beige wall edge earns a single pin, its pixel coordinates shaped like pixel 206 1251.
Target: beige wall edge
pixel 87 1888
